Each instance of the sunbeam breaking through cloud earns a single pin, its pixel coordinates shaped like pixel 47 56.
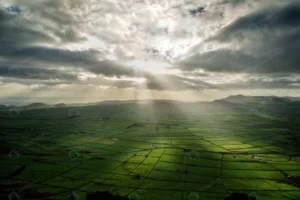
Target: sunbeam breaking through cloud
pixel 233 47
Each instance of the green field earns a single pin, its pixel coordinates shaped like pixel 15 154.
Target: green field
pixel 150 152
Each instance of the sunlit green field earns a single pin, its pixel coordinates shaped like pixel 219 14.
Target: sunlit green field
pixel 150 152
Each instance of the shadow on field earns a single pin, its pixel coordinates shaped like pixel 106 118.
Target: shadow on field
pixel 239 196
pixel 106 195
pixel 103 195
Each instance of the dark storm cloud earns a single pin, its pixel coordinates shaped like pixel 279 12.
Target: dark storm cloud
pixel 110 68
pixel 87 60
pixel 28 82
pixel 21 29
pixel 274 17
pixel 218 61
pixel 151 51
pixel 14 34
pixel 261 50
pixel 18 39
pixel 197 11
pixel 34 73
pixel 263 83
pixel 50 55
pixel 224 60
pixel 14 9
pixel 23 45
pixel 210 61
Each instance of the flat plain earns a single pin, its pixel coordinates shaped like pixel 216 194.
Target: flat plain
pixel 160 150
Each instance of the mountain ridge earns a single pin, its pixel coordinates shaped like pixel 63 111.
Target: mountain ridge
pixel 230 100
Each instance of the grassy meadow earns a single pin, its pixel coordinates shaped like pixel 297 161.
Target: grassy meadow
pixel 160 150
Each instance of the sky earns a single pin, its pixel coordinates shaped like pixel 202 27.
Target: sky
pixel 76 51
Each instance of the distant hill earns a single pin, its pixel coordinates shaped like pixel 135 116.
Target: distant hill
pixel 230 101
pixel 145 101
pixel 223 102
pixel 255 99
pixel 272 100
pixel 237 99
pixel 3 106
pixel 35 105
pixel 7 107
pixel 293 98
pixel 60 105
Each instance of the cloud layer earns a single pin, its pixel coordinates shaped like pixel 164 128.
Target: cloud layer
pixel 169 45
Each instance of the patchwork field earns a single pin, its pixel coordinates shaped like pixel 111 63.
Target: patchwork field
pixel 150 152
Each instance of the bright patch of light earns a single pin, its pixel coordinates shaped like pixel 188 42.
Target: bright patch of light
pixel 92 43
pixel 139 80
pixel 221 79
pixel 84 76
